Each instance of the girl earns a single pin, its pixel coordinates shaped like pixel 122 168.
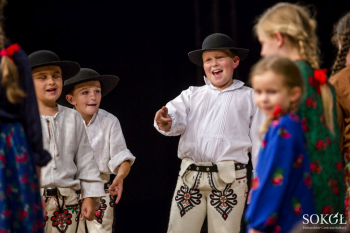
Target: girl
pixel 283 168
pixel 21 147
pixel 287 29
pixel 341 82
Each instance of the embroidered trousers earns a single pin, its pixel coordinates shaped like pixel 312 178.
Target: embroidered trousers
pixel 104 215
pixel 62 211
pixel 201 194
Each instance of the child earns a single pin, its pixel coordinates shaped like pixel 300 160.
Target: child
pixel 72 167
pixel 218 124
pixel 283 169
pixel 287 30
pixel 341 83
pixel 21 148
pixel 84 91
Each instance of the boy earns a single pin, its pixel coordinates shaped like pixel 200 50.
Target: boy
pixel 218 127
pixel 72 167
pixel 84 91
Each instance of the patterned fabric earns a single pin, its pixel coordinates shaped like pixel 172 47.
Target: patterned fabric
pixel 20 203
pixel 282 173
pixel 103 221
pixel 323 147
pixel 223 208
pixel 62 213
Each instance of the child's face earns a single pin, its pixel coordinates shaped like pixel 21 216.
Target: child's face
pixel 86 97
pixel 270 92
pixel 47 83
pixel 219 68
pixel 269 45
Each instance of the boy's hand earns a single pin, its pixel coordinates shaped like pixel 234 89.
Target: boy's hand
pixel 87 209
pixel 116 188
pixel 163 120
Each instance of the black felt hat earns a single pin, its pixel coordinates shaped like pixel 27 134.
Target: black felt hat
pixel 108 82
pixel 48 58
pixel 216 41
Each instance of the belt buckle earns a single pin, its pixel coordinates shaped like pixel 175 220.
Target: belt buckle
pixel 51 192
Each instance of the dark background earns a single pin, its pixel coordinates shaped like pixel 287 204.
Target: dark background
pixel 146 43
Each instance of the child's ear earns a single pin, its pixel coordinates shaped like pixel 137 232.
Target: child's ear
pixel 295 94
pixel 235 62
pixel 280 39
pixel 70 99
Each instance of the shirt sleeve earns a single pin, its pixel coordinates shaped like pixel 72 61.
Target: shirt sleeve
pixel 118 150
pixel 29 109
pixel 178 109
pixel 88 172
pixel 257 120
pixel 273 175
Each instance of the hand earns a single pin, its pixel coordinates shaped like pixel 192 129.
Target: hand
pixel 87 209
pixel 116 188
pixel 163 120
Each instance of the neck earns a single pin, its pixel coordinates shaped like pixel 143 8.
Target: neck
pixel 87 118
pixel 291 52
pixel 47 108
pixel 228 84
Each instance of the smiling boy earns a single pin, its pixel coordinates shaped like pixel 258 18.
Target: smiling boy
pixel 85 91
pixel 72 169
pixel 218 124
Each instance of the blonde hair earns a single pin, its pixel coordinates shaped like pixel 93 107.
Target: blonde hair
pixel 9 73
pixel 341 36
pixel 294 22
pixel 284 68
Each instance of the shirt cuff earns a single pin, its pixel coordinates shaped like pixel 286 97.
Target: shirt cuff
pixel 92 189
pixel 174 124
pixel 118 159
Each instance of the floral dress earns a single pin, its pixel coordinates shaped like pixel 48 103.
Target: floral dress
pixel 322 146
pixel 282 187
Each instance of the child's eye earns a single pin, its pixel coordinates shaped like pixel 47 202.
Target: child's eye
pixel 57 76
pixel 220 57
pixel 85 92
pixel 271 91
pixel 208 60
pixel 97 91
pixel 257 91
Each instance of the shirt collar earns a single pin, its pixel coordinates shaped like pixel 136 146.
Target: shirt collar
pixel 235 85
pixel 93 119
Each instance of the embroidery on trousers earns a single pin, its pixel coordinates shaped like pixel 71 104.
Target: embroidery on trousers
pixel 187 199
pixel 223 201
pixel 100 211
pixel 61 220
pixel 111 201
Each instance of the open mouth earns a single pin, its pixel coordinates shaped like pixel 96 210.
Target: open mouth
pixel 217 73
pixel 51 90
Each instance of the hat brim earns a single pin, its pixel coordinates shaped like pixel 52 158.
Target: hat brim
pixel 196 56
pixel 108 82
pixel 69 68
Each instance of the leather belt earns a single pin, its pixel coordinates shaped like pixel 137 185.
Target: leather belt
pixel 214 168
pixel 53 192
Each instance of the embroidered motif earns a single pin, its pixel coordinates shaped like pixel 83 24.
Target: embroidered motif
pixel 111 201
pixel 61 220
pixel 187 199
pixel 100 211
pixel 298 161
pixel 284 133
pixel 307 180
pixel 271 220
pixel 277 177
pixel 46 218
pixel 223 201
pixel 296 206
pixel 73 208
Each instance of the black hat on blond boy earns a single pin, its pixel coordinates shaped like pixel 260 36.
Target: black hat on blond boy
pixel 108 82
pixel 216 41
pixel 48 58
